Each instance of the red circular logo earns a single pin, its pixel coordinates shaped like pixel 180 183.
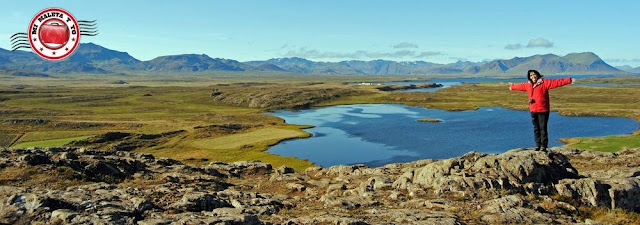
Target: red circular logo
pixel 54 34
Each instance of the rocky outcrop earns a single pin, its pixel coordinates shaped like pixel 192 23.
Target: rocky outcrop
pixel 119 141
pixel 613 179
pixel 507 171
pixel 170 191
pixel 588 190
pixel 514 209
pixel 120 187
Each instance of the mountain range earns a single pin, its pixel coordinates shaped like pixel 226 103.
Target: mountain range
pixel 91 58
pixel 629 69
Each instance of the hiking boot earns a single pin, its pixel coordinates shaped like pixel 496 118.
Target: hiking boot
pixel 544 149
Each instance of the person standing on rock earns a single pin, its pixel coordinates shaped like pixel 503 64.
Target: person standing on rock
pixel 538 90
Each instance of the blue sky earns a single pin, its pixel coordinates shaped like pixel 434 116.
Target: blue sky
pixel 435 31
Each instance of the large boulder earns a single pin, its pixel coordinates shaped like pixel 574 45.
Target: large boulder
pixel 240 168
pixel 513 209
pixel 589 191
pixel 625 194
pixel 613 179
pixel 197 202
pixel 510 171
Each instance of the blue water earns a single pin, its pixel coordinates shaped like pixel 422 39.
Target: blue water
pixel 449 82
pixel 378 134
pixel 607 84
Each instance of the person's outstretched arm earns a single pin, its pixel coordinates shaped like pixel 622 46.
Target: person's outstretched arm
pixel 560 82
pixel 518 87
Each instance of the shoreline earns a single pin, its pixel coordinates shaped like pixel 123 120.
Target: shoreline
pixel 566 141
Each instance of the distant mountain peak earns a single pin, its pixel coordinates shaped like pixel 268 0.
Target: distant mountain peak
pixel 584 57
pixel 584 53
pixel 271 67
pixel 294 59
pixel 90 44
pixel 184 56
pixel 629 69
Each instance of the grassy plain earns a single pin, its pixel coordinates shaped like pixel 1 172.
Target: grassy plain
pixel 221 116
pixel 49 143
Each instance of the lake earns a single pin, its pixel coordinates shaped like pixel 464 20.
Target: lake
pixel 449 82
pixel 378 134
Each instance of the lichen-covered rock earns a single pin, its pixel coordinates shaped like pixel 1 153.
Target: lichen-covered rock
pixel 296 187
pixel 241 168
pixel 510 171
pixel 613 179
pixel 590 191
pixel 284 170
pixel 326 219
pixel 625 194
pixel 512 210
pixel 217 216
pixel 196 202
pixel 62 216
pixel 34 158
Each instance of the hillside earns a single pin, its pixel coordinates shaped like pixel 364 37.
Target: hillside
pixel 28 61
pixel 574 63
pixel 104 58
pixel 629 69
pixel 192 63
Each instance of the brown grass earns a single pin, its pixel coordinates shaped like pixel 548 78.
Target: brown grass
pixel 613 216
pixel 57 178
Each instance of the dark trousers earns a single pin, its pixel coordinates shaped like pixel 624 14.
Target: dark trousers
pixel 540 121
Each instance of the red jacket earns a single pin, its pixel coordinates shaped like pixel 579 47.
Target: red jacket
pixel 540 92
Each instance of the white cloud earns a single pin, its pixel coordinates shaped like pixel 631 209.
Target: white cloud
pixel 635 60
pixel 405 45
pixel 459 58
pixel 360 54
pixel 539 43
pixel 427 54
pixel 533 43
pixel 513 46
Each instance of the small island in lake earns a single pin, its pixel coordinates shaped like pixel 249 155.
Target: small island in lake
pixel 406 87
pixel 431 120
